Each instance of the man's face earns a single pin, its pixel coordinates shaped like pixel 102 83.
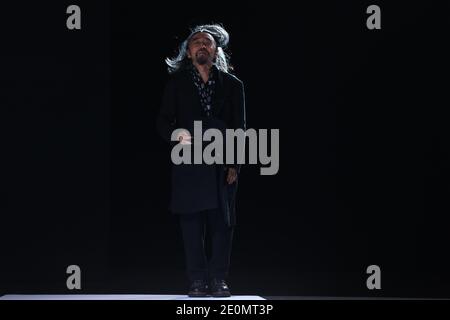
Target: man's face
pixel 202 48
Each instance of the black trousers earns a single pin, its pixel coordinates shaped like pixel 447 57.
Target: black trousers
pixel 207 244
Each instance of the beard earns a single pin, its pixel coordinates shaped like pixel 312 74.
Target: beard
pixel 202 57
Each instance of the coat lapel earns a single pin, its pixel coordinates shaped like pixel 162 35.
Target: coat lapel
pixel 193 92
pixel 218 98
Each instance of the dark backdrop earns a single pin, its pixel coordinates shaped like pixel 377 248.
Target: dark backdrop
pixel 364 147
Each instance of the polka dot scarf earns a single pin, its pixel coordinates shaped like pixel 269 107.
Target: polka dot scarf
pixel 205 90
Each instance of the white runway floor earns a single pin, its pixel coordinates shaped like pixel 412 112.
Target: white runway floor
pixel 117 297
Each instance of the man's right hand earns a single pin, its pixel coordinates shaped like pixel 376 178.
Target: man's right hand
pixel 184 137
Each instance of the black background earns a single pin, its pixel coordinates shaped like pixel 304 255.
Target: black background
pixel 364 147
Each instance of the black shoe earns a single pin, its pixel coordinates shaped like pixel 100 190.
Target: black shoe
pixel 219 288
pixel 198 288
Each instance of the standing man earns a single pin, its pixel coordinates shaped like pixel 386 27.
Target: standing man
pixel 203 196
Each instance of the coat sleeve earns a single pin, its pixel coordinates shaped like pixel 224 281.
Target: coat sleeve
pixel 239 115
pixel 166 119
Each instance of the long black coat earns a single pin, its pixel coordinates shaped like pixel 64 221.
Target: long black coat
pixel 197 187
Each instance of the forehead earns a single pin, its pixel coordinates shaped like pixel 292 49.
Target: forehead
pixel 202 35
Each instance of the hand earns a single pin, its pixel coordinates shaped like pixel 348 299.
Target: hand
pixel 232 175
pixel 184 137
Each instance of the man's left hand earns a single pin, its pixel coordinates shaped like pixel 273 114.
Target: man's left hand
pixel 232 175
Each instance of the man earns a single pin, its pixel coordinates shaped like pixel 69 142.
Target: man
pixel 203 196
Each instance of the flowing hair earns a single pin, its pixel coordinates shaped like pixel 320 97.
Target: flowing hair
pixel 221 37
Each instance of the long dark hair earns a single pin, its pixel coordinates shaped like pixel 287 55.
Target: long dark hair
pixel 221 37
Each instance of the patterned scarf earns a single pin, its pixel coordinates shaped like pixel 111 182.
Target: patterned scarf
pixel 205 90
